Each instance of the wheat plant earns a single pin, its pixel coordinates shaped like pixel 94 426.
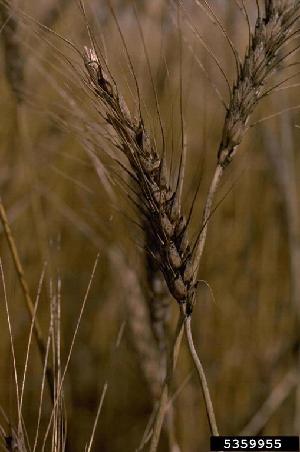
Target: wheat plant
pixel 138 159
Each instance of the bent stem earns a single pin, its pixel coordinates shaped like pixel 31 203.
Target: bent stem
pixel 202 377
pixel 163 402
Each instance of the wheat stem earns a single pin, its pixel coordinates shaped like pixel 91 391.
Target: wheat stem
pixel 202 377
pixel 163 402
pixel 206 216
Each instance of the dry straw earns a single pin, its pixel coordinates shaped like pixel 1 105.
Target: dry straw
pixel 27 297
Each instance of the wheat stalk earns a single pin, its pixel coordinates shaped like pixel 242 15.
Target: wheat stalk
pixel 160 206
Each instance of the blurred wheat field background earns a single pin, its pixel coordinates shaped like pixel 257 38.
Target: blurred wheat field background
pixel 65 205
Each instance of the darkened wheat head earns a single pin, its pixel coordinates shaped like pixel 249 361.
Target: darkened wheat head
pixel 266 52
pixel 159 202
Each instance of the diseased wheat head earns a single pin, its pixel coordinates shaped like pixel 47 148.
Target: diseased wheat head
pixel 159 203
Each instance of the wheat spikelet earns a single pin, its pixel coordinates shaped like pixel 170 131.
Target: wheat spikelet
pixel 140 328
